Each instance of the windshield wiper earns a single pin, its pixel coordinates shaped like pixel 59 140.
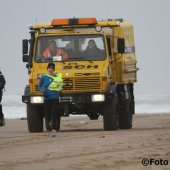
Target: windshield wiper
pixel 80 58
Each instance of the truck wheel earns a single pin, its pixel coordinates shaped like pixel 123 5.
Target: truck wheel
pixel 34 118
pixel 132 105
pixel 111 114
pixel 125 113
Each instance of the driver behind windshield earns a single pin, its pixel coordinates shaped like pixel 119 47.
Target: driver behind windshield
pixel 52 50
pixel 92 47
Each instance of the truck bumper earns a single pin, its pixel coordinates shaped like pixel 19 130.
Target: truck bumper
pixel 82 98
pixel 71 98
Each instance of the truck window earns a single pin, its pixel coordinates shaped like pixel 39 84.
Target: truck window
pixel 75 47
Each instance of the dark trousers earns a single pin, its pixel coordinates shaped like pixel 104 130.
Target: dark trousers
pixel 1 113
pixel 51 114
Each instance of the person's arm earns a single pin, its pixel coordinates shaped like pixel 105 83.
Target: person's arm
pixel 45 53
pixel 62 53
pixel 41 85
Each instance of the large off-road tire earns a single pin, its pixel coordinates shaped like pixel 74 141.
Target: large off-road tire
pixel 111 114
pixel 125 112
pixel 34 118
pixel 132 104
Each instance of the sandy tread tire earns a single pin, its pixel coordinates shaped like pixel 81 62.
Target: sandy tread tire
pixel 111 114
pixel 34 118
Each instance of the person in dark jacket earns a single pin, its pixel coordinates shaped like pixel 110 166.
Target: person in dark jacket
pixel 92 47
pixel 2 86
pixel 92 51
pixel 51 85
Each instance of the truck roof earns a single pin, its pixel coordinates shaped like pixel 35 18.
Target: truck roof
pixel 65 23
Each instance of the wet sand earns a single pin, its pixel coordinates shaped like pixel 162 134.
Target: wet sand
pixel 83 145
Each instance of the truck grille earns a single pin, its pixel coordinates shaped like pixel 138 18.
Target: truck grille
pixel 82 83
pixel 86 74
pixel 36 88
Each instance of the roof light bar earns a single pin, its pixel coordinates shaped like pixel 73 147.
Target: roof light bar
pixel 74 21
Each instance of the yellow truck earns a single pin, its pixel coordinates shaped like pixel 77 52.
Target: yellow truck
pixel 98 82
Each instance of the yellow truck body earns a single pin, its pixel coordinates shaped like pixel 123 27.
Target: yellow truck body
pixel 110 74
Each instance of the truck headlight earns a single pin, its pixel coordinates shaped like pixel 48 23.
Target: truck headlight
pixel 98 98
pixel 37 99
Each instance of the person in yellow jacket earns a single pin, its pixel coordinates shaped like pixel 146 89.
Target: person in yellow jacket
pixel 51 85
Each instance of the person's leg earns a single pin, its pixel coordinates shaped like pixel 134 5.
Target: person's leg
pixel 47 109
pixel 2 120
pixel 58 121
pixel 0 96
pixel 47 114
pixel 1 113
pixel 55 115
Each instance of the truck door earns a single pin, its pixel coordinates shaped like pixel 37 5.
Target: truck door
pixel 111 57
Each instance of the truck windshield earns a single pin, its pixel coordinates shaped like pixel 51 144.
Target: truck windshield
pixel 70 48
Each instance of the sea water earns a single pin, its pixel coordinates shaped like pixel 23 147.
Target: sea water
pixel 145 103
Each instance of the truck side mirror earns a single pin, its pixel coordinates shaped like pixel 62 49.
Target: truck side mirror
pixel 25 58
pixel 121 45
pixel 24 46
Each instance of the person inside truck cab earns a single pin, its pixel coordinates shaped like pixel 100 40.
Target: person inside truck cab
pixel 70 45
pixel 52 50
pixel 92 47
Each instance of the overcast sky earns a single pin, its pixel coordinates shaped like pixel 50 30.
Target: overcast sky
pixel 151 25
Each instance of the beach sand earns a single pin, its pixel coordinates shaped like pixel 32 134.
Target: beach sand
pixel 83 145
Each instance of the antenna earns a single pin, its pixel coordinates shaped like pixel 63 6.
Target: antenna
pixel 44 6
pixel 36 20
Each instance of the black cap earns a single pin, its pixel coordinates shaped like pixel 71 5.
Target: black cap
pixel 51 65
